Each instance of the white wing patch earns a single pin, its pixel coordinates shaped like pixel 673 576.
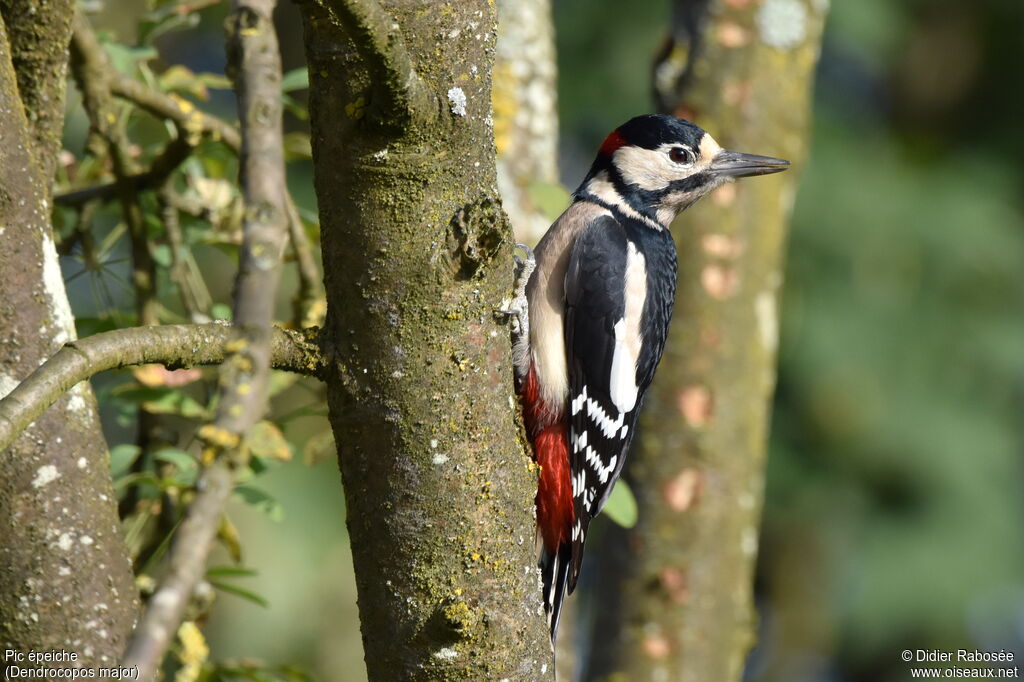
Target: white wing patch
pixel 622 380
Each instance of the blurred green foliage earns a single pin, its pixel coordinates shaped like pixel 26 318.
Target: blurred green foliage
pixel 894 507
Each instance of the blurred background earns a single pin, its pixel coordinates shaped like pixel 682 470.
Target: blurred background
pixel 894 513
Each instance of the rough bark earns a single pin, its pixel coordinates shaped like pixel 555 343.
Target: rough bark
pixel 38 32
pixel 525 112
pixel 65 579
pixel 684 601
pixel 438 486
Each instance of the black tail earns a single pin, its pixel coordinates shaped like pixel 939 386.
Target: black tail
pixel 554 570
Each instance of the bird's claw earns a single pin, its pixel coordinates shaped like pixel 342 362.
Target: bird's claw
pixel 518 308
pixel 522 262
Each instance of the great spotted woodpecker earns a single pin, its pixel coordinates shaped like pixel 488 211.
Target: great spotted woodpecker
pixel 598 292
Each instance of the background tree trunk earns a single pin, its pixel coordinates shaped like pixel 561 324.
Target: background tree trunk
pixel 683 606
pixel 417 256
pixel 65 581
pixel 526 113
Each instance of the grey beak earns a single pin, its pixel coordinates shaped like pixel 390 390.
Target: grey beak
pixel 737 165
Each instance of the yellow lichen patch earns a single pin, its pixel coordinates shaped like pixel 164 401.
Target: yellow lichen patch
pixel 266 440
pixel 244 389
pixel 355 109
pixel 184 105
pixel 236 345
pixel 193 653
pixel 218 436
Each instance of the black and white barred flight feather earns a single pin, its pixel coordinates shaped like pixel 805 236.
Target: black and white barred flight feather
pixel 611 360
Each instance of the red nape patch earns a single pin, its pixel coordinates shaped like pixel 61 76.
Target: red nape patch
pixel 611 143
pixel 554 487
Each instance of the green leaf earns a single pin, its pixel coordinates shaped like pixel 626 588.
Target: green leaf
pixel 297 147
pixel 164 21
pixel 122 457
pixel 319 447
pixel 260 499
pixel 296 79
pixel 220 311
pixel 266 440
pixel 294 107
pixel 87 326
pixel 215 81
pixel 621 505
pixel 140 479
pixel 124 57
pixel 162 255
pixel 162 400
pixel 240 592
pixel 183 80
pixel 230 571
pixel 179 458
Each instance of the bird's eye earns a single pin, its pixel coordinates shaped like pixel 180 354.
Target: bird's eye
pixel 680 155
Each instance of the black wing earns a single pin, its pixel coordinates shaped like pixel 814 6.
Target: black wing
pixel 599 380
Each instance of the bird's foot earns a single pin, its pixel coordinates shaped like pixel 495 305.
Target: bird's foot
pixel 518 308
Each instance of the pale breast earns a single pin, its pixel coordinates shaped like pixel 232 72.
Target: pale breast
pixel 546 295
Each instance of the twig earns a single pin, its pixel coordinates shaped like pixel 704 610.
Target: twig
pixel 379 42
pixel 185 565
pixel 181 111
pixel 255 65
pixel 176 346
pixel 191 287
pixel 310 301
pixel 172 156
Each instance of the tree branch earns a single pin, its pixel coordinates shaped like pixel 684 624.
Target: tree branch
pixel 255 65
pixel 310 305
pixel 184 114
pixel 172 156
pixel 176 346
pixel 379 42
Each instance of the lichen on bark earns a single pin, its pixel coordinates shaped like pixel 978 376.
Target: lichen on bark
pixel 65 580
pixel 417 259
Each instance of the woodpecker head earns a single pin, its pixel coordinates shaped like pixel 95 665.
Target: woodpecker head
pixel 657 165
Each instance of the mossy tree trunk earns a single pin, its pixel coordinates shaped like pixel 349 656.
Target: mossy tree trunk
pixel 684 593
pixel 65 579
pixel 418 255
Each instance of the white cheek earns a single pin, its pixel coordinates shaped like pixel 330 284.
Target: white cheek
pixel 708 148
pixel 649 169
